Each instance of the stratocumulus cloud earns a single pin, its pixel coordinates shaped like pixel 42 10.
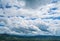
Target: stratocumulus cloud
pixel 19 18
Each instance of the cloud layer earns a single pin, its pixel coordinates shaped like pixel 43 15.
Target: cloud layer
pixel 16 18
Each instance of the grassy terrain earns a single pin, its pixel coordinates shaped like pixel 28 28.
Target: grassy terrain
pixel 32 38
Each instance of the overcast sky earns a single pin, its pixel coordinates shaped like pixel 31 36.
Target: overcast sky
pixel 30 17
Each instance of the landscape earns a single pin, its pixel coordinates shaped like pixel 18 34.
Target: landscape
pixel 29 20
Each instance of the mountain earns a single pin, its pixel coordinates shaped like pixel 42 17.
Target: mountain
pixel 6 37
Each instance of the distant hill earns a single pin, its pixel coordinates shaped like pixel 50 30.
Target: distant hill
pixel 6 37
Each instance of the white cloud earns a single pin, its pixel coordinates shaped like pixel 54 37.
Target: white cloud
pixel 30 21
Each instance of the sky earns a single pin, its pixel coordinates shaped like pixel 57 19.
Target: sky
pixel 30 17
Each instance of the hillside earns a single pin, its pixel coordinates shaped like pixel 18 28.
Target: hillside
pixel 5 37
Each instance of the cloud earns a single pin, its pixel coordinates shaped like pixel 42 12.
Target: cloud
pixel 25 21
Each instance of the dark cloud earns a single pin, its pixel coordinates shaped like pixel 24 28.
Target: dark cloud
pixel 36 3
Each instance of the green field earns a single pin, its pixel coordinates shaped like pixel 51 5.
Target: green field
pixel 13 38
